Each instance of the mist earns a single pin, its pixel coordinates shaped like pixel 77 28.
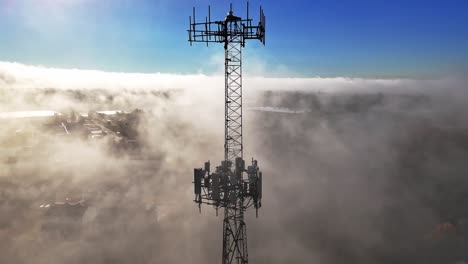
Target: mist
pixel 355 170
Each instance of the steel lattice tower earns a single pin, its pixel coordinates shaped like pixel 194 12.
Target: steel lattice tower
pixel 227 187
pixel 233 99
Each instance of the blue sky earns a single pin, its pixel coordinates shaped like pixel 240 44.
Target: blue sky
pixel 358 38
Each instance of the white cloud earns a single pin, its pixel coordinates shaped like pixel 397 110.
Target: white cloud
pixel 20 76
pixel 183 137
pixel 198 94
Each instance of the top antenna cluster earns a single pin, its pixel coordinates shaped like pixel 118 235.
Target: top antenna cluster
pixel 223 31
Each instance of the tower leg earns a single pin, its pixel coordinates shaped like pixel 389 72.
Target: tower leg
pixel 234 237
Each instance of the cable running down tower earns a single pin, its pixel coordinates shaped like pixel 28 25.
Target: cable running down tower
pixel 231 185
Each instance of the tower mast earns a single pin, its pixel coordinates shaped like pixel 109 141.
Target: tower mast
pixel 231 186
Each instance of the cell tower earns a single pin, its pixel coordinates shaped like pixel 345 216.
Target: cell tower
pixel 231 186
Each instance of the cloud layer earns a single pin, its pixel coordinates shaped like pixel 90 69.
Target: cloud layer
pixel 355 170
